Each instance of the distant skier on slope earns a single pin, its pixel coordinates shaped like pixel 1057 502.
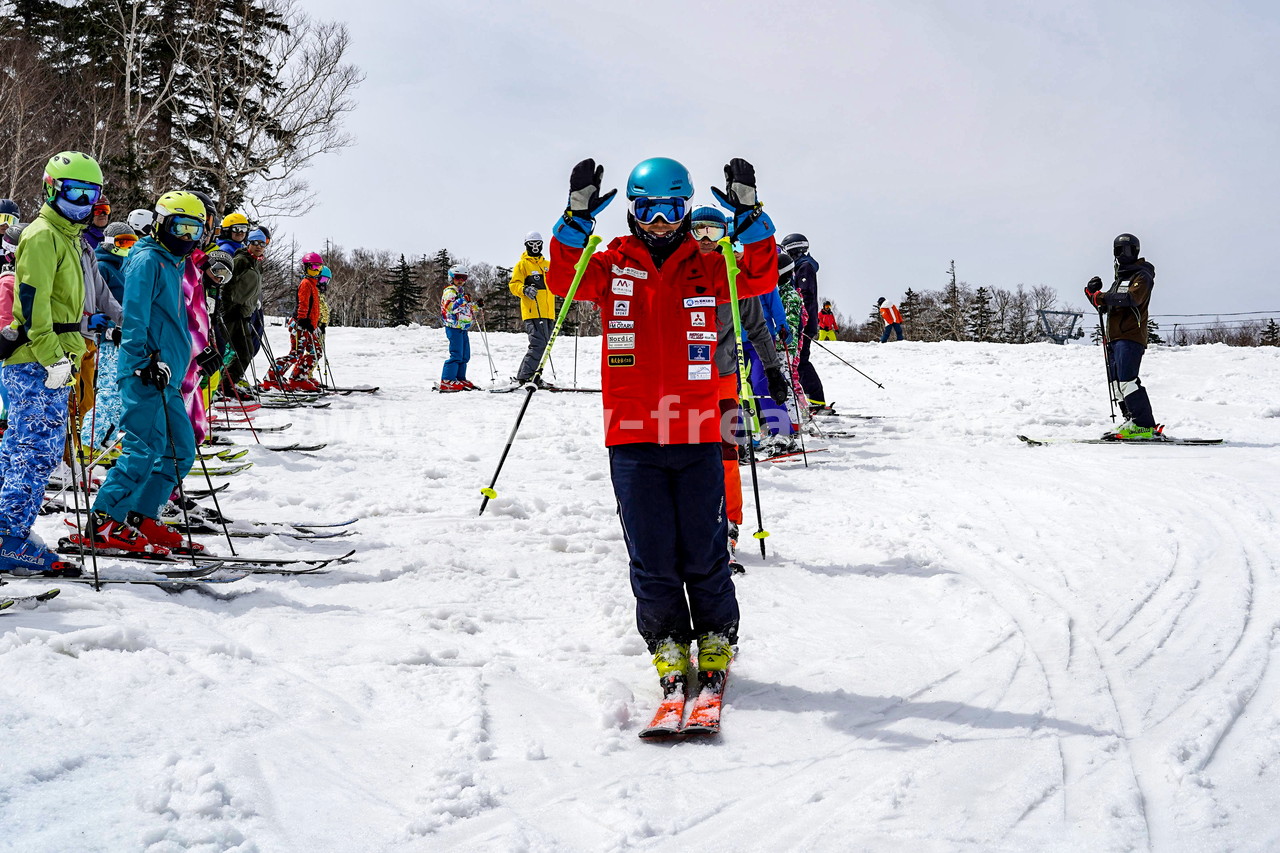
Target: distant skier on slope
pixel 537 304
pixel 892 320
pixel 806 279
pixel 458 314
pixel 657 294
pixel 1124 307
pixel 827 325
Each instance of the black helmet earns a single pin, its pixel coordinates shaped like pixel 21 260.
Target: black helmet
pixel 785 267
pixel 795 245
pixel 1126 248
pixel 207 202
pixel 880 301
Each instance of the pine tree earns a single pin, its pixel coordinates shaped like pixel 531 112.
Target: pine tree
pixel 955 302
pixel 981 325
pixel 1153 333
pixel 405 296
pixel 910 310
pixel 1271 334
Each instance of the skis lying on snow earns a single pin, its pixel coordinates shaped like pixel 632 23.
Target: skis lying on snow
pixel 202 527
pixel 28 601
pixel 70 546
pixel 1038 442
pixel 704 713
pixel 279 428
pixel 790 454
pixel 226 471
pixel 362 389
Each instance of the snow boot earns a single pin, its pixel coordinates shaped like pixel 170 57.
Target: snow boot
pixel 672 660
pixel 714 652
pixel 163 535
pixel 27 556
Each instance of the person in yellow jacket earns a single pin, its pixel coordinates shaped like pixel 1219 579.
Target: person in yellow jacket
pixel 537 304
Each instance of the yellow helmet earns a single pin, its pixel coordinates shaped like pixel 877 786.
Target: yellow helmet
pixel 235 219
pixel 179 202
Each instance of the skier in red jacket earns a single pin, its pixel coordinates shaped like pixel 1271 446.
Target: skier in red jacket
pixel 293 371
pixel 657 296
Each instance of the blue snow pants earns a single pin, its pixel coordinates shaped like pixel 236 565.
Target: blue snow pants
pixel 1126 360
pixel 455 368
pixel 671 503
pixel 145 475
pixel 32 445
pixel 772 416
pixel 103 422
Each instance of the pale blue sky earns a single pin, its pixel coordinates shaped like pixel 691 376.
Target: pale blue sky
pixel 896 135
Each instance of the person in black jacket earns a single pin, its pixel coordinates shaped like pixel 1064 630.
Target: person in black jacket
pixel 239 301
pixel 1124 308
pixel 806 279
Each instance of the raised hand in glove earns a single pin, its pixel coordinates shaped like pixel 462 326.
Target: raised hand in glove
pixel 585 203
pixel 1093 290
pixel 156 373
pixel 777 384
pixel 208 361
pixel 58 374
pixel 750 223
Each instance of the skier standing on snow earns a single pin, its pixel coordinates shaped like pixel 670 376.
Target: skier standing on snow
pixel 101 310
pixel 117 241
pixel 1124 307
pixel 537 304
pixel 292 371
pixel 159 444
pixel 806 281
pixel 827 326
pixel 892 320
pixel 235 309
pixel 458 314
pixel 657 294
pixel 41 347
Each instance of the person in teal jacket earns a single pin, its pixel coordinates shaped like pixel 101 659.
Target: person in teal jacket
pixel 40 348
pixel 154 354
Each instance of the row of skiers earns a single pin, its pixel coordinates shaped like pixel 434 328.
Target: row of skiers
pixel 114 338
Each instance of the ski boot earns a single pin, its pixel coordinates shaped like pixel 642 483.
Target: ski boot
pixel 111 535
pixel 714 653
pixel 672 660
pixel 448 386
pixel 1129 431
pixel 163 535
pixel 734 566
pixel 28 556
pixel 468 385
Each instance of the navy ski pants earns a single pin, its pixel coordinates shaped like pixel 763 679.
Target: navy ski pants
pixel 31 446
pixel 1126 360
pixel 671 503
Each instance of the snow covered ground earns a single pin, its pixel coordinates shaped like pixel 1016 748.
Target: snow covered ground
pixel 957 642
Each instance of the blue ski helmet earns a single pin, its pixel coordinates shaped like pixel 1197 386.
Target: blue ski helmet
pixel 660 176
pixel 707 213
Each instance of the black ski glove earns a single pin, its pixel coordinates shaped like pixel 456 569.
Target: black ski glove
pixel 305 323
pixel 585 200
pixel 115 335
pixel 156 373
pixel 777 384
pixel 208 362
pixel 740 187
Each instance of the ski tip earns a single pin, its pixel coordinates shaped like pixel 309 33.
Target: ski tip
pixel 1031 441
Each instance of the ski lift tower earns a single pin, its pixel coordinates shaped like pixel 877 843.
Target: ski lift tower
pixel 1059 326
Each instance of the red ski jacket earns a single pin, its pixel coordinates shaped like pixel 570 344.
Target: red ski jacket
pixel 659 338
pixel 890 314
pixel 827 320
pixel 308 301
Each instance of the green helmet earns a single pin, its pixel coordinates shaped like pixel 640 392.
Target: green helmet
pixel 70 165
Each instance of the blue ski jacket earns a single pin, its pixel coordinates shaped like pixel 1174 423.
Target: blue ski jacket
pixel 155 314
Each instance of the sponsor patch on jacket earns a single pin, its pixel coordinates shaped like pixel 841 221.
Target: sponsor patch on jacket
pixel 623 361
pixel 631 271
pixel 622 324
pixel 622 341
pixel 700 302
pixel 622 307
pixel 623 286
pixel 699 371
pixel 702 336
pixel 698 318
pixel 699 352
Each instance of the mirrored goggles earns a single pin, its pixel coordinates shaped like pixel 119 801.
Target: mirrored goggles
pixel 708 230
pixel 646 209
pixel 262 243
pixel 186 227
pixel 78 192
pixel 242 230
pixel 8 219
pixel 102 209
pixel 124 241
pixel 220 273
pixel 459 278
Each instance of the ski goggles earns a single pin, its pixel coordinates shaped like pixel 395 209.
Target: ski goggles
pixel 461 277
pixel 672 209
pixel 102 208
pixel 8 219
pixel 221 273
pixel 186 227
pixel 78 192
pixel 124 241
pixel 708 230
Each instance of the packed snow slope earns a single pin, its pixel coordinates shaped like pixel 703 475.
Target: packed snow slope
pixel 957 642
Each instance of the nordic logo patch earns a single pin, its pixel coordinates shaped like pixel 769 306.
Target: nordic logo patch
pixel 699 352
pixel 622 361
pixel 699 302
pixel 702 336
pixel 623 341
pixel 699 371
pixel 622 308
pixel 623 287
pixel 631 271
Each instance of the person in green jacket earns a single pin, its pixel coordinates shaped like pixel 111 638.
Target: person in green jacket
pixel 40 348
pixel 240 299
